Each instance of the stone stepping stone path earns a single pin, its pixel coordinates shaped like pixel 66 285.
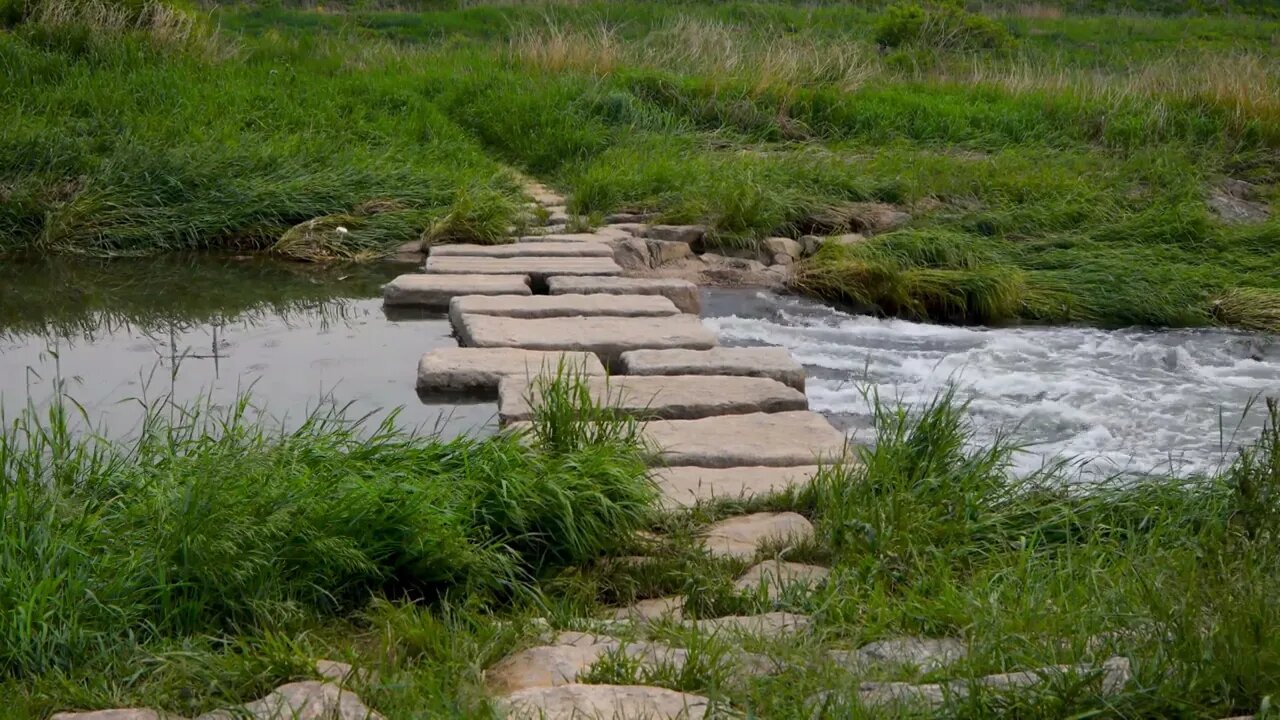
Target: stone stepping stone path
pixel 435 291
pixel 741 537
pixel 774 363
pixel 669 397
pixel 777 576
pixel 607 337
pixel 479 370
pixel 785 439
pixel 545 306
pixel 686 486
pixel 513 250
pixel 603 702
pixel 537 268
pixel 683 293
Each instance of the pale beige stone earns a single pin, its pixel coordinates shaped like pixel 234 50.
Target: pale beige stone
pixel 343 673
pixel 604 702
pixel 921 654
pixel 117 714
pixel 545 306
pixel 632 254
pixel 513 250
pixel 435 291
pixel 766 625
pixel 776 576
pixel 683 293
pixel 686 234
pixel 783 246
pixel 687 485
pixel 571 655
pixel 663 396
pixel 770 362
pixel 1111 678
pixel 652 610
pixel 759 439
pixel 479 370
pixel 665 251
pixel 741 537
pixel 538 269
pixel 308 700
pixel 607 337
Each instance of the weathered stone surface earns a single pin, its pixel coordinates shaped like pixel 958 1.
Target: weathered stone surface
pixel 686 234
pixel 118 714
pixel 766 625
pixel 309 700
pixel 783 246
pixel 741 537
pixel 1111 678
pixel 604 702
pixel 633 228
pixel 632 254
pixel 546 666
pixel 681 292
pixel 774 363
pixel 652 610
pixel 620 218
pixel 759 439
pixel 687 485
pixel 775 576
pixel 343 673
pixel 563 237
pixel 607 337
pixel 665 251
pixel 545 306
pixel 557 214
pixel 435 291
pixel 666 396
pixel 479 370
pixel 538 269
pixel 922 654
pixel 512 250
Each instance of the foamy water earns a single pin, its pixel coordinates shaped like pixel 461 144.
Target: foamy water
pixel 1120 401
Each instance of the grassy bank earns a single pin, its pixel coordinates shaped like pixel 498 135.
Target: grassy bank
pixel 1110 169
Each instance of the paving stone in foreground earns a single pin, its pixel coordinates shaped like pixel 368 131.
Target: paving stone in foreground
pixel 309 700
pixel 683 293
pixel 922 654
pixel 511 250
pixel 544 306
pixel 479 370
pixel 759 439
pixel 742 536
pixel 573 654
pixel 607 337
pixel 604 702
pixel 776 576
pixel 766 625
pixel 768 362
pixel 435 291
pixel 117 714
pixel 537 268
pixel 668 396
pixel 687 485
pixel 652 610
pixel 562 237
pixel 1111 678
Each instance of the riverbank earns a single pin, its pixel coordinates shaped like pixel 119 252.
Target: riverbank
pixel 1109 170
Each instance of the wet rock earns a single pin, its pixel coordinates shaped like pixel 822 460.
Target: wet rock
pixel 767 625
pixel 922 654
pixel 604 702
pixel 309 700
pixel 687 234
pixel 741 537
pixel 775 576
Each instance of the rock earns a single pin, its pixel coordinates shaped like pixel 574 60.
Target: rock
pixel 563 237
pixel 775 576
pixel 1234 203
pixel 932 695
pixel 652 610
pixel 759 439
pixel 607 337
pixel 810 244
pixel 410 252
pixel 687 234
pixel 537 269
pixel 783 246
pixel 632 254
pixel 774 363
pixel 767 625
pixel 544 306
pixel 343 673
pixel 783 259
pixel 683 487
pixel 1112 676
pixel 309 700
pixel 681 292
pixel 871 217
pixel 743 536
pixel 922 654
pixel 610 233
pixel 435 291
pixel 547 198
pixel 634 229
pixel 512 250
pixel 665 251
pixel 479 370
pixel 604 702
pixel 119 714
pixel 635 218
pixel 557 215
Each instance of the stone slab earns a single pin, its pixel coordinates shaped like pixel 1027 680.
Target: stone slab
pixel 479 370
pixel 570 655
pixel 776 576
pixel 435 291
pixel 560 237
pixel 511 250
pixel 538 269
pixel 681 292
pixel 685 486
pixel 758 439
pixel 603 702
pixel 545 306
pixel 667 396
pixel 743 536
pixel 766 625
pixel 607 337
pixel 769 362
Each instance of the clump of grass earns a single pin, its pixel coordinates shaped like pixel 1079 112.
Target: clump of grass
pixel 1252 308
pixel 374 230
pixel 476 215
pixel 939 24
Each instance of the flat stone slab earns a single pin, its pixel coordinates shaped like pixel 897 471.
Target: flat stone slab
pixel 480 370
pixel 570 655
pixel 512 250
pixel 776 576
pixel 917 653
pixel 307 700
pixel 545 306
pixel 766 625
pixel 667 396
pixel 607 337
pixel 768 362
pixel 685 486
pixel 760 439
pixel 604 702
pixel 743 536
pixel 435 291
pixel 537 268
pixel 652 610
pixel 560 237
pixel 681 292
pixel 1109 679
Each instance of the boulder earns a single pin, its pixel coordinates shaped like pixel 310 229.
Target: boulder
pixel 775 576
pixel 743 536
pixel 665 251
pixel 604 702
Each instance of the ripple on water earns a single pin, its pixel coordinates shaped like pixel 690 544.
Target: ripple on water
pixel 1132 401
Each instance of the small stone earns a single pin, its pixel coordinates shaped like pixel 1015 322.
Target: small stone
pixel 309 700
pixel 783 259
pixel 632 254
pixel 665 251
pixel 775 576
pixel 687 234
pixel 743 536
pixel 604 702
pixel 767 625
pixel 783 246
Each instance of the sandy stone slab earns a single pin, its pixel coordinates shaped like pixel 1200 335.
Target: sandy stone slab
pixel 652 610
pixel 922 654
pixel 308 700
pixel 435 291
pixel 117 714
pixel 604 702
pixel 479 370
pixel 511 250
pixel 742 536
pixel 687 485
pixel 666 396
pixel 544 306
pixel 760 439
pixel 571 655
pixel 607 337
pixel 1111 677
pixel 769 362
pixel 775 576
pixel 537 268
pixel 681 292
pixel 559 237
pixel 766 625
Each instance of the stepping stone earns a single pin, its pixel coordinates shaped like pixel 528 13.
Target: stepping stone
pixel 741 537
pixel 767 625
pixel 343 673
pixel 677 233
pixel 671 396
pixel 435 291
pixel 921 654
pixel 652 610
pixel 681 292
pixel 544 306
pixel 538 269
pixel 607 337
pixel 558 237
pixel 571 655
pixel 309 700
pixel 604 702
pixel 768 362
pixel 511 250
pixel 480 370
pixel 1112 677
pixel 685 486
pixel 776 576
pixel 759 439
pixel 117 714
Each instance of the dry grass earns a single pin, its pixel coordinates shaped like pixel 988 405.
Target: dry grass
pixel 1249 308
